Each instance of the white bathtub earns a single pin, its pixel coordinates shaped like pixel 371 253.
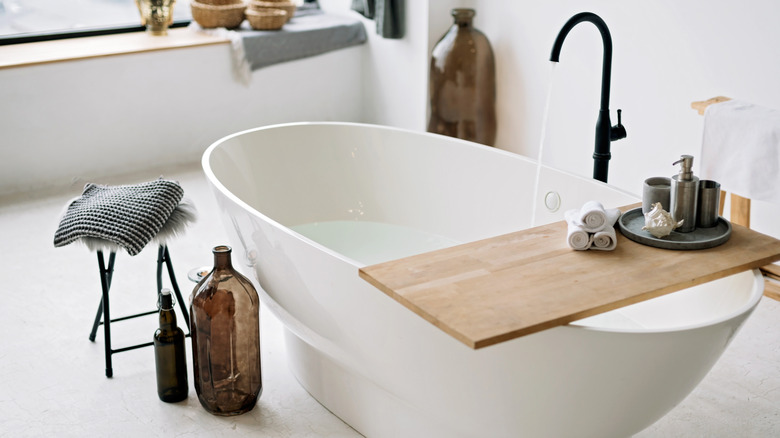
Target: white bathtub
pixel 365 194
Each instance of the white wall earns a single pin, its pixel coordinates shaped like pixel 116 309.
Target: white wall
pixel 666 54
pixel 66 123
pixel 395 74
pixel 84 118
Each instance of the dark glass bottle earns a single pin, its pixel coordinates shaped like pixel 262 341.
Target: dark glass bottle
pixel 463 83
pixel 169 354
pixel 225 319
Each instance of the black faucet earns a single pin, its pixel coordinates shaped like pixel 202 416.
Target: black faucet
pixel 605 133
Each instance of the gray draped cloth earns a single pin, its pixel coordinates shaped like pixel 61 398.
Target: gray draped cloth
pixel 305 35
pixel 388 14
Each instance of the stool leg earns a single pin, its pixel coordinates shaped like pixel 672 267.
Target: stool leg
pixel 164 256
pixel 97 320
pixel 105 284
pixel 110 272
pixel 182 305
pixel 160 260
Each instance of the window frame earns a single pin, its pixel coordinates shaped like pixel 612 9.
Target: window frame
pixel 78 33
pixel 54 35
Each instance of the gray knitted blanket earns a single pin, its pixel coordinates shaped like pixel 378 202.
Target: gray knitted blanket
pixel 129 216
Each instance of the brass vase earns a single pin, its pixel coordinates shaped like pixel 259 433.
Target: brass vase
pixel 156 15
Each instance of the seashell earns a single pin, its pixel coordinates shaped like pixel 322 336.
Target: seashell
pixel 659 222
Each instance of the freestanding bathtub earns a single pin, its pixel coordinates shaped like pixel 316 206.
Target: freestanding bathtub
pixel 306 205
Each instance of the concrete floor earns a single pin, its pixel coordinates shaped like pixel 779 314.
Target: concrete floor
pixel 54 381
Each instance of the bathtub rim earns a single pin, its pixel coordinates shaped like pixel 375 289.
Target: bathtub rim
pixel 744 309
pixel 217 183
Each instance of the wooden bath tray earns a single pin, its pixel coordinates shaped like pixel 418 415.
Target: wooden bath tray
pixel 493 290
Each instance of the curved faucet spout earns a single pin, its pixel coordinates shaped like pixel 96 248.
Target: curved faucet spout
pixel 606 37
pixel 605 132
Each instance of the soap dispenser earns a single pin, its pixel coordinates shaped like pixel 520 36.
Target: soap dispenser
pixel 684 194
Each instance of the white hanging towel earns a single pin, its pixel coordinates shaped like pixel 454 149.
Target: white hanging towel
pixel 741 149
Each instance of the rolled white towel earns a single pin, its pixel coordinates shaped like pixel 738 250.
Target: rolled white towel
pixel 613 214
pixel 592 216
pixel 576 236
pixel 605 240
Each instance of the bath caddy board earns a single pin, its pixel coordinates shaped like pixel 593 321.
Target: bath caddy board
pixel 494 290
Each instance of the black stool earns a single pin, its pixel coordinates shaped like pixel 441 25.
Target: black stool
pixel 163 256
pixel 108 218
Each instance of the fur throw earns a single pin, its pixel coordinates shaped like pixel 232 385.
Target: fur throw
pixel 129 217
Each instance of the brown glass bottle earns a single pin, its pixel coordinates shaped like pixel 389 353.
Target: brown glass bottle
pixel 169 354
pixel 225 335
pixel 463 83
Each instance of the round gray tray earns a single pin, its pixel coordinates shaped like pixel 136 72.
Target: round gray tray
pixel 632 221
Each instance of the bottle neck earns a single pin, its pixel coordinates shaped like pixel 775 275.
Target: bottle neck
pixel 167 319
pixel 222 259
pixel 167 315
pixel 463 17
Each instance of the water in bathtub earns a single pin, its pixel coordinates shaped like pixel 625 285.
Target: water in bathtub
pixel 372 242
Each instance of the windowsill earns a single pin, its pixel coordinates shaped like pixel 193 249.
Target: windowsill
pixel 20 55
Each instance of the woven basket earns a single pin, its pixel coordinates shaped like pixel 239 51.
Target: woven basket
pixel 220 2
pixel 210 16
pixel 286 6
pixel 268 19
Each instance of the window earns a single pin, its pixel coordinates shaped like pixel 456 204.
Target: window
pixel 40 20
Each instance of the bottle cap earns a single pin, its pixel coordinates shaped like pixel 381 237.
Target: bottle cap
pixel 166 300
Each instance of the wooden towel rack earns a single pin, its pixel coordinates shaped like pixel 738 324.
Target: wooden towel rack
pixel 740 211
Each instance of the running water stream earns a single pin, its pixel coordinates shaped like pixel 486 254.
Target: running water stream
pixel 540 153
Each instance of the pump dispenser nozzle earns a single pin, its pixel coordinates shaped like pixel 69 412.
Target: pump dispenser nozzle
pixel 686 172
pixel 684 194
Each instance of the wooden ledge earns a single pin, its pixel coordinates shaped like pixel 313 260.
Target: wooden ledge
pixel 20 55
pixel 701 106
